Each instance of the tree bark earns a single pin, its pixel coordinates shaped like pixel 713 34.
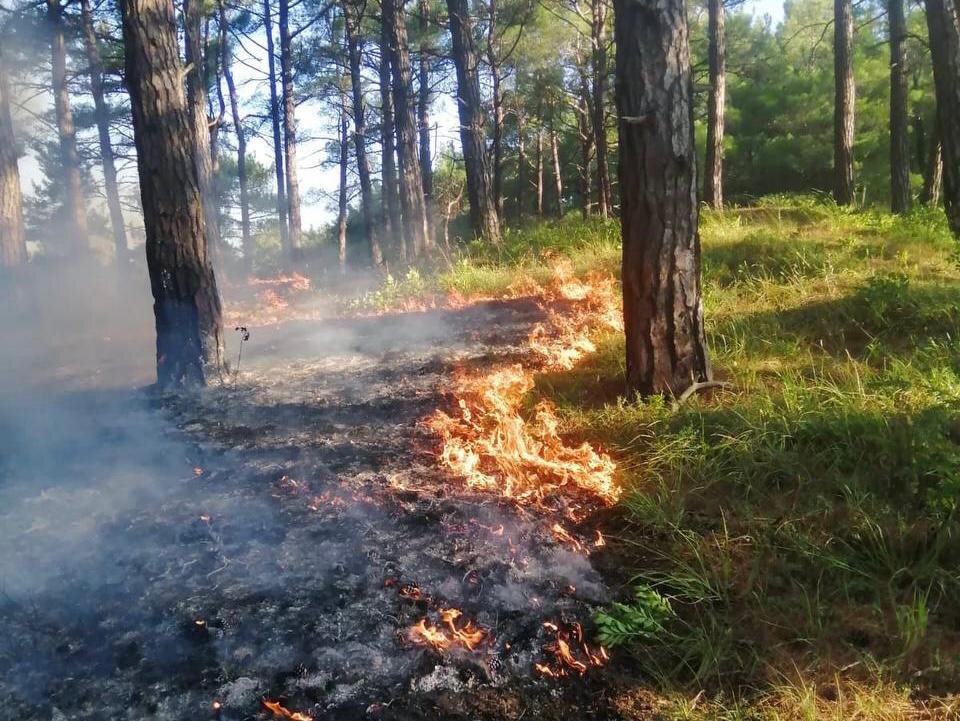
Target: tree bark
pixel 843 103
pixel 584 131
pixel 412 203
pixel 388 151
pixel 13 248
pixel 539 195
pixel 277 136
pixel 716 104
pixel 423 113
pixel 899 119
pixel 944 30
pixel 186 303
pixel 197 110
pixel 342 196
pixel 933 172
pixel 352 25
pixel 102 116
pixel 662 306
pixel 238 131
pixel 598 37
pixel 289 132
pixel 522 164
pixel 483 213
pixel 75 212
pixel 557 173
pixel 495 75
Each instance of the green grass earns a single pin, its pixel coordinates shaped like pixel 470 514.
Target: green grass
pixel 788 548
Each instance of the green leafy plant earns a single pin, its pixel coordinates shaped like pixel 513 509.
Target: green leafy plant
pixel 644 618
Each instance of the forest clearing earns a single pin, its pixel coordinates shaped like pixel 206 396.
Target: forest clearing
pixel 479 360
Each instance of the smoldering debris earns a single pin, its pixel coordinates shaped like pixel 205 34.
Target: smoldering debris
pixel 261 543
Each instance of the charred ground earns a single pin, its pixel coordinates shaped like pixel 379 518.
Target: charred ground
pixel 277 537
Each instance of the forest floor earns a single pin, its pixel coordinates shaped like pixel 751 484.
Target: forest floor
pixel 783 548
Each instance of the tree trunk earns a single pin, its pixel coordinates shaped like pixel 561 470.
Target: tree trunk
pixel 716 103
pixel 483 212
pixel 557 173
pixel 539 172
pixel 522 165
pixel 662 306
pixel 584 131
pixel 933 173
pixel 13 248
pixel 342 196
pixel 186 303
pixel 289 133
pixel 412 203
pixel 423 113
pixel 388 151
pixel 944 30
pixel 75 212
pixel 598 36
pixel 102 116
pixel 844 102
pixel 352 25
pixel 277 137
pixel 495 75
pixel 197 110
pixel 226 61
pixel 899 119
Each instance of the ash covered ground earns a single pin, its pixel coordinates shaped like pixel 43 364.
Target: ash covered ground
pixel 276 537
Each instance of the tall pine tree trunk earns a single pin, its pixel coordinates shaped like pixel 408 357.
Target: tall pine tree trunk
pixel 75 212
pixel 522 165
pixel 483 213
pixel 584 130
pixel 352 25
pixel 598 37
pixel 226 61
pixel 933 172
pixel 278 165
pixel 289 132
pixel 539 194
pixel 423 113
pixel 843 103
pixel 102 116
pixel 944 30
pixel 899 119
pixel 662 306
pixel 716 104
pixel 342 195
pixel 197 110
pixel 498 115
pixel 13 248
pixel 186 303
pixel 412 203
pixel 388 151
pixel 557 172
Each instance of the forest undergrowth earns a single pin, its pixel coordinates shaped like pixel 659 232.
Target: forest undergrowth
pixel 787 545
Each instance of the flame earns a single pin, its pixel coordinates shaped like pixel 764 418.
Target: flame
pixel 281 712
pixel 489 442
pixel 562 535
pixel 565 649
pixel 600 541
pixel 467 635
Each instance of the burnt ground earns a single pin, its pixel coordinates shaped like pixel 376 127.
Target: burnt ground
pixel 252 542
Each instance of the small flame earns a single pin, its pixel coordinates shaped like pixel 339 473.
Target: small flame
pixel 281 712
pixel 562 535
pixel 565 649
pixel 467 635
pixel 599 541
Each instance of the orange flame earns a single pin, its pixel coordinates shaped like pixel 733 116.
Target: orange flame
pixel 281 712
pixel 565 658
pixel 468 635
pixel 494 447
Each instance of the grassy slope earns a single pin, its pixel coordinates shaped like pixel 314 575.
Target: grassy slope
pixel 793 539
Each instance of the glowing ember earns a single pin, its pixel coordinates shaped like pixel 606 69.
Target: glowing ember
pixel 562 535
pixel 281 712
pixel 571 654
